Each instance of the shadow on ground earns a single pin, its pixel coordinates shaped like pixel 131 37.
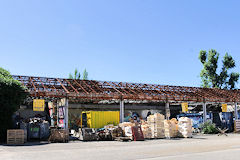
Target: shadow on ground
pixel 26 144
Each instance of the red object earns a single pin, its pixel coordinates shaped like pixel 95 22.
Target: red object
pixel 137 133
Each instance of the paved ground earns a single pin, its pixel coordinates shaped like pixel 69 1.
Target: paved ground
pixel 197 148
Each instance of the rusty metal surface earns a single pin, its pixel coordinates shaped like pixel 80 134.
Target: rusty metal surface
pixel 106 90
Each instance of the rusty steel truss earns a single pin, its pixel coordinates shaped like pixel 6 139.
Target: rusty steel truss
pixel 106 90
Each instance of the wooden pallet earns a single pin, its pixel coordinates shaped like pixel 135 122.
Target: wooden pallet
pixel 237 126
pixel 15 136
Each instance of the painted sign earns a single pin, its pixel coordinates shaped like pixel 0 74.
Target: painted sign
pixel 224 107
pixel 38 104
pixel 184 107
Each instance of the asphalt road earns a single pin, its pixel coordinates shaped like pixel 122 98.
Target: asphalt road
pixel 197 148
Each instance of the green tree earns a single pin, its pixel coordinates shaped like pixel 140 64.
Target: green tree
pixel 85 74
pixel 209 76
pixel 77 75
pixel 12 94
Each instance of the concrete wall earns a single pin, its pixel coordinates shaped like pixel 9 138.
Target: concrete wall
pixel 140 109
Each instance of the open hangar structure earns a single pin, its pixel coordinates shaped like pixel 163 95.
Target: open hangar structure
pixel 92 91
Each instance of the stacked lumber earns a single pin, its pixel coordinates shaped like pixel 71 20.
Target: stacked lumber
pixel 147 132
pixel 156 123
pixel 171 128
pixel 15 136
pixel 185 127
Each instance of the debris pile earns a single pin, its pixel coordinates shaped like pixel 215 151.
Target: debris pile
pixel 185 127
pixel 146 129
pixel 171 128
pixel 155 127
pixel 59 135
pixel 127 128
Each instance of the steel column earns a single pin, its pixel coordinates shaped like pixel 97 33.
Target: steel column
pixel 66 112
pixel 236 111
pixel 121 111
pixel 167 111
pixel 57 113
pixel 204 112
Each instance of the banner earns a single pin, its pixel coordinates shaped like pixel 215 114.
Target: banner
pixel 184 107
pixel 38 104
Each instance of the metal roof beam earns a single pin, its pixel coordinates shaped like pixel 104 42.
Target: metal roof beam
pixel 81 86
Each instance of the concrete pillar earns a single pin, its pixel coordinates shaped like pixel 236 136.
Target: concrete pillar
pixel 204 112
pixel 235 111
pixel 167 111
pixel 121 111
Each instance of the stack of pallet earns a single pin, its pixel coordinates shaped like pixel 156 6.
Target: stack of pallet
pixel 15 136
pixel 156 123
pixel 171 128
pixel 147 132
pixel 185 127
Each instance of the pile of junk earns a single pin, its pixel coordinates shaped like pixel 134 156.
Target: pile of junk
pixel 108 133
pixel 105 126
pixel 155 127
pixel 35 129
pixel 126 131
pixel 38 129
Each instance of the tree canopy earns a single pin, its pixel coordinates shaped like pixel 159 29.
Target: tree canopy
pixel 77 75
pixel 209 74
pixel 12 94
pixel 85 74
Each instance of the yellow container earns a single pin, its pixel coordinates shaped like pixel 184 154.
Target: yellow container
pixel 98 119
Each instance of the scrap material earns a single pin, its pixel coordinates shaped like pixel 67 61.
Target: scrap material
pixel 147 132
pixel 185 127
pixel 59 135
pixel 171 128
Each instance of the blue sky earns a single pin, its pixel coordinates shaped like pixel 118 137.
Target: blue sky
pixel 149 41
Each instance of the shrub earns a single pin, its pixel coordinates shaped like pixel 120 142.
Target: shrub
pixel 208 128
pixel 12 94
